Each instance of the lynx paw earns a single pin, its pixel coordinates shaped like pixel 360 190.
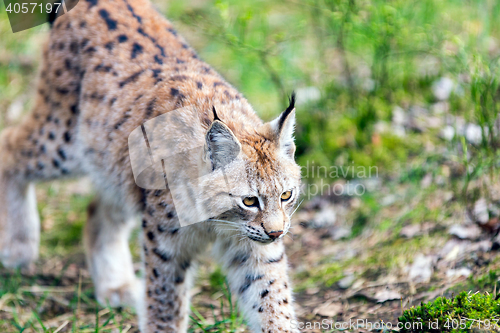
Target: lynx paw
pixel 18 253
pixel 129 294
pixel 19 225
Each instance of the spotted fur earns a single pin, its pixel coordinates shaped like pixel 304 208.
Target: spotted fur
pixel 108 67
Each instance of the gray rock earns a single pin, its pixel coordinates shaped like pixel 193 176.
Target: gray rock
pixel 419 117
pixel 421 269
pixel 471 232
pixel 443 88
pixel 329 309
pixel 481 211
pixel 368 84
pixel 388 200
pixel 448 132
pixel 398 130
pixel 410 231
pixel 426 181
pixel 15 110
pixel 440 107
pixel 452 249
pixel 413 230
pixel 455 273
pixel 440 180
pixel 345 254
pixel 434 122
pixel 326 217
pixel 385 295
pixel 448 195
pixel 346 281
pixel 399 116
pixel 373 183
pixel 307 95
pixel 494 210
pixel 381 127
pixel 340 232
pixel 473 133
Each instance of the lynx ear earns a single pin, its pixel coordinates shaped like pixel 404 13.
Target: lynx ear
pixel 222 145
pixel 284 126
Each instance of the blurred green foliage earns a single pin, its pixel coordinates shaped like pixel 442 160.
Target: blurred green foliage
pixel 365 57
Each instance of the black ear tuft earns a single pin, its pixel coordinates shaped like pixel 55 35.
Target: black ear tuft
pixel 291 100
pixel 216 117
pixel 283 127
pixel 51 17
pixel 289 109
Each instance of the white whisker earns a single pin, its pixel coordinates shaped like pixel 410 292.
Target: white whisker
pixel 230 225
pixel 242 238
pixel 229 229
pixel 297 207
pixel 223 221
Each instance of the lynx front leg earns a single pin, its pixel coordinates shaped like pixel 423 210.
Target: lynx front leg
pixel 257 274
pixel 169 278
pixel 169 252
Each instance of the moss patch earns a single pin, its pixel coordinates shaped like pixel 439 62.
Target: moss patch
pixel 463 313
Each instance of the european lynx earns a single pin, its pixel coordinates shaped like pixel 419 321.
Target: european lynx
pixel 108 67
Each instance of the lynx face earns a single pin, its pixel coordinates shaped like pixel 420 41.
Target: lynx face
pixel 265 196
pixel 267 208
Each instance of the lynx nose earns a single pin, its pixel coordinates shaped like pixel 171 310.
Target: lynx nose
pixel 275 234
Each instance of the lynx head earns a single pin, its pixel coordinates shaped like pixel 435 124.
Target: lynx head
pixel 266 185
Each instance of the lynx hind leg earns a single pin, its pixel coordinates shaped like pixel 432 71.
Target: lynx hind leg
pixel 19 222
pixel 40 148
pixel 36 150
pixel 108 255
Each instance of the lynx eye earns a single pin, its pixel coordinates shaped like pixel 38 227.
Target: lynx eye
pixel 251 201
pixel 286 195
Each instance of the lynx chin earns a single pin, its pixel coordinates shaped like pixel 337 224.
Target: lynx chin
pixel 108 67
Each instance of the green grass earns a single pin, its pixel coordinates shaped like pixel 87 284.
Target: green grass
pixel 226 319
pixel 35 308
